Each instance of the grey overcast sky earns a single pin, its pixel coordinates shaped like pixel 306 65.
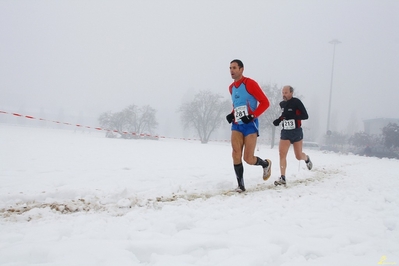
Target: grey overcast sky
pixel 95 56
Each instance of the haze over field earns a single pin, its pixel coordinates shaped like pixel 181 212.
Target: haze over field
pixel 84 58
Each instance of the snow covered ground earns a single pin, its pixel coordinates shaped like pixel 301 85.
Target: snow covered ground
pixel 77 198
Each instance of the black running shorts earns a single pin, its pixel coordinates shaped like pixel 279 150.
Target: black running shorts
pixel 293 135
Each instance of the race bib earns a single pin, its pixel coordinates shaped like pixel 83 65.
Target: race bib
pixel 289 124
pixel 240 111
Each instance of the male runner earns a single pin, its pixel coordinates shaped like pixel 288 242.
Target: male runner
pixel 249 102
pixel 293 111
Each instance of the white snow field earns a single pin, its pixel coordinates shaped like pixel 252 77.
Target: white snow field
pixel 77 198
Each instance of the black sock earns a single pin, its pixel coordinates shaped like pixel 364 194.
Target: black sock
pixel 259 161
pixel 239 169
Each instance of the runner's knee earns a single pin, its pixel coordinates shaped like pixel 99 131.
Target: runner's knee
pixel 249 159
pixel 300 156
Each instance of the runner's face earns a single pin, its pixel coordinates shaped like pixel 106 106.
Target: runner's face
pixel 287 95
pixel 236 71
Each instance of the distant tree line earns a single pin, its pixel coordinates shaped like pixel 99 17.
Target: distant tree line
pixel 204 114
pixel 385 144
pixel 207 111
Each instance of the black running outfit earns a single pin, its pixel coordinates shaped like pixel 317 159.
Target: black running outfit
pixel 293 110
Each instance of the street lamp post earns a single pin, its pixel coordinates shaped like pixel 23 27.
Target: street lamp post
pixel 334 42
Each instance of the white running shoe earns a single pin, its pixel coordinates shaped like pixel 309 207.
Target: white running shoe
pixel 267 171
pixel 309 164
pixel 280 181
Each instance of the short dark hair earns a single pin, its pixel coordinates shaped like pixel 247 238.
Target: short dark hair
pixel 291 89
pixel 239 63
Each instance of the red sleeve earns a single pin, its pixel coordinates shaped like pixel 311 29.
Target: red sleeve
pixel 231 92
pixel 255 90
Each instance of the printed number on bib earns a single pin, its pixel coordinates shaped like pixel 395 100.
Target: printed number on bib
pixel 289 124
pixel 240 111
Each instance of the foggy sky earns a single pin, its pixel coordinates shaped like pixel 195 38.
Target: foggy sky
pixel 93 56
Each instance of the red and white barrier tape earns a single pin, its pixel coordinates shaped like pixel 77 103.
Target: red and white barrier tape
pixel 78 125
pixel 100 129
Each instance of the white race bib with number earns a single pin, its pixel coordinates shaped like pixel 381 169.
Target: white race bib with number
pixel 240 111
pixel 289 124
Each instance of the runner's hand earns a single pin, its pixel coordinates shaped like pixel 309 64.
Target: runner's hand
pixel 230 118
pixel 248 118
pixel 277 121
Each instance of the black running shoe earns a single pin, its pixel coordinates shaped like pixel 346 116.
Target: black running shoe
pixel 241 186
pixel 240 189
pixel 309 163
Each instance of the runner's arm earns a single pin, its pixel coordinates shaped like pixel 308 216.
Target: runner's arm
pixel 255 90
pixel 302 114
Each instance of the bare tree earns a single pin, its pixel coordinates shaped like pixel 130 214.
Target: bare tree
pixel 131 122
pixel 273 93
pixel 113 122
pixel 145 121
pixel 205 113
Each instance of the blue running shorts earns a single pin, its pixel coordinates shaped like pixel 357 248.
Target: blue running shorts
pixel 247 129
